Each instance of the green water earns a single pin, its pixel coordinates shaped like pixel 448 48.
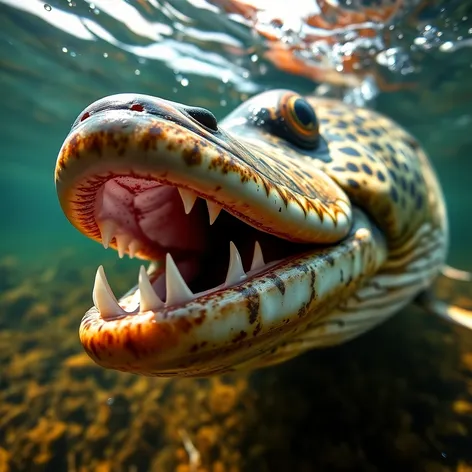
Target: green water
pixel 48 74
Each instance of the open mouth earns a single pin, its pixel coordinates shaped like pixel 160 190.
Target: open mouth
pixel 206 249
pixel 244 240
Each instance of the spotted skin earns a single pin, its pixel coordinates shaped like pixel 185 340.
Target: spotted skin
pixel 383 170
pixel 362 196
pixel 378 164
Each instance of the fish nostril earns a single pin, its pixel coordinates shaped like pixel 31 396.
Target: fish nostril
pixel 203 117
pixel 85 116
pixel 136 107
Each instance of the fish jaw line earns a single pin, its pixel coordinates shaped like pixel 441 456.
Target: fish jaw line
pixel 215 333
pixel 123 143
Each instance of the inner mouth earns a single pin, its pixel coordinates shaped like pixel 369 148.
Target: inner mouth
pixel 197 247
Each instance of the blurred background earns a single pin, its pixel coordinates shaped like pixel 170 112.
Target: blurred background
pixel 400 398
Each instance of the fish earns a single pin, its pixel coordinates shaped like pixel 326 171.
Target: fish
pixel 296 222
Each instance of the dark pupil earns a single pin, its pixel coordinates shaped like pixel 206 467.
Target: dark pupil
pixel 204 117
pixel 304 112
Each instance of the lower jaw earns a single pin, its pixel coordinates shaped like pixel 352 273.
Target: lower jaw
pixel 238 327
pixel 184 341
pixel 185 281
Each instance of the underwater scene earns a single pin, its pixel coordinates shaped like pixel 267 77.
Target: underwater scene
pixel 321 320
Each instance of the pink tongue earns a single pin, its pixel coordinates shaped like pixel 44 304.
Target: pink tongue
pixel 146 208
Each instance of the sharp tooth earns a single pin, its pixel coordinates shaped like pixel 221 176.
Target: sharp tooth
pixel 213 211
pixel 257 258
pixel 235 270
pixel 149 299
pixel 152 267
pixel 176 289
pixel 107 231
pixel 133 248
pixel 188 199
pixel 122 242
pixel 104 299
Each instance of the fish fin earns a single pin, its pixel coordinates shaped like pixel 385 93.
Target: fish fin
pixel 450 297
pixel 456 274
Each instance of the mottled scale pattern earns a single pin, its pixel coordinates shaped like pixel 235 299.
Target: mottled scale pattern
pixel 382 168
pixel 292 176
pixel 378 164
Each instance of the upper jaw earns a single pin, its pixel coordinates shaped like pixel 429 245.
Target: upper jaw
pixel 129 144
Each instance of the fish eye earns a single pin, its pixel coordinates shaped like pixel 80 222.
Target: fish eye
pixel 301 121
pixel 302 113
pixel 204 117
